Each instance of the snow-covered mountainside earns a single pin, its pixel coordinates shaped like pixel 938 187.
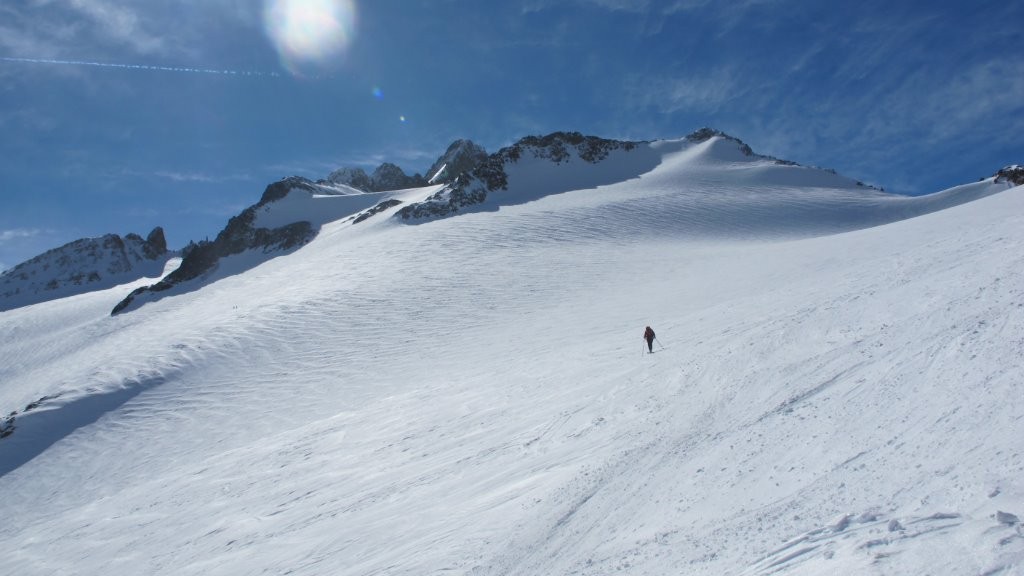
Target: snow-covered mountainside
pixel 835 388
pixel 288 215
pixel 82 266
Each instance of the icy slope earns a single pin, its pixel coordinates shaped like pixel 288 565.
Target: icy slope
pixel 468 395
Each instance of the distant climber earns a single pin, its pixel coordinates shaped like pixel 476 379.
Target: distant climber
pixel 649 336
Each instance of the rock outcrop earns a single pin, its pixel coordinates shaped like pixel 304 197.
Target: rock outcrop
pixel 462 156
pixel 473 187
pixel 240 234
pixel 83 266
pixel 1012 174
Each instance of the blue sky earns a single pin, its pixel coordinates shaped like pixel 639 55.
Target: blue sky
pixel 118 115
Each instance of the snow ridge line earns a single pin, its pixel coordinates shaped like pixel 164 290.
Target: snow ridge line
pixel 47 421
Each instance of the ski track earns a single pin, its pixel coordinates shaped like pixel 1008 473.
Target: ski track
pixel 478 405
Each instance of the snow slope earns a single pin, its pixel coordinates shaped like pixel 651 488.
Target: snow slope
pixel 833 391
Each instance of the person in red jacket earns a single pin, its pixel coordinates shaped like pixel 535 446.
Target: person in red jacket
pixel 649 336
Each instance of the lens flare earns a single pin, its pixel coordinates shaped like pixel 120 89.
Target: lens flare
pixel 310 34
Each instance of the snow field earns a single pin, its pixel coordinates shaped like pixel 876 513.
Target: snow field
pixel 469 396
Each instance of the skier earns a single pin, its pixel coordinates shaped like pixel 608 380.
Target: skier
pixel 649 336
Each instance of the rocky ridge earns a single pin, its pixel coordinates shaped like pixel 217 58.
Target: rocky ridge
pixel 82 266
pixel 460 157
pixel 473 187
pixel 239 235
pixel 386 177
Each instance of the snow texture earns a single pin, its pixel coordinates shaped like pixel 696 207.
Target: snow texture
pixel 836 387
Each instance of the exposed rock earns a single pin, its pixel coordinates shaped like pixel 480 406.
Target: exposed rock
pixel 386 177
pixel 155 244
pixel 462 156
pixel 281 188
pixel 354 177
pixel 7 423
pixel 705 134
pixel 376 210
pixel 82 266
pixel 239 235
pixel 472 187
pixel 1012 174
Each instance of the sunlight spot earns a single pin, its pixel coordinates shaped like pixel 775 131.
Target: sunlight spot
pixel 310 34
pixel 401 118
pixel 377 93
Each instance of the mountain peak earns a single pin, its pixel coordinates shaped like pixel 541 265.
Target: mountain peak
pixel 706 133
pixel 461 156
pixel 385 178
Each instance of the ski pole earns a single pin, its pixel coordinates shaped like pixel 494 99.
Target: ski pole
pixel 659 342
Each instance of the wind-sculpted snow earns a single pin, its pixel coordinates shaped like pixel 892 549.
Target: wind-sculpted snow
pixel 472 396
pixel 288 215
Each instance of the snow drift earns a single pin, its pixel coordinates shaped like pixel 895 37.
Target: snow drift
pixel 836 388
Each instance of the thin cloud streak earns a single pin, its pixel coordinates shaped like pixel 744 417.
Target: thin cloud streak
pixel 200 177
pixel 142 67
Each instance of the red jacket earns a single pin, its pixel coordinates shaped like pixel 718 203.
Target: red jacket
pixel 648 334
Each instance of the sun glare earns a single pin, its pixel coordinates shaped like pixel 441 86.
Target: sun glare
pixel 310 34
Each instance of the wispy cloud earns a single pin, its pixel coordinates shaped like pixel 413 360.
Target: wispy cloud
pixel 47 28
pixel 55 29
pixel 121 24
pixel 18 234
pixel 177 176
pixel 687 91
pixel 411 160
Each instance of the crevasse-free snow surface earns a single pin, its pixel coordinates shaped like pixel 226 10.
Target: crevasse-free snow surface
pixel 839 391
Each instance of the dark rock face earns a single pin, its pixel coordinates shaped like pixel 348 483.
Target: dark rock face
pixel 238 236
pixel 354 177
pixel 1012 174
pixel 82 266
pixel 376 210
pixel 281 188
pixel 472 187
pixel 386 177
pixel 462 156
pixel 155 244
